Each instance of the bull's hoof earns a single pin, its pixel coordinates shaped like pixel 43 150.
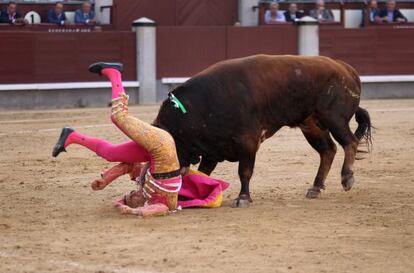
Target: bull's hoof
pixel 313 193
pixel 243 201
pixel 348 181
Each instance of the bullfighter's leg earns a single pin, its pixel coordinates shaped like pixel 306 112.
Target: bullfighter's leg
pixel 341 132
pixel 159 143
pixel 322 142
pixel 163 180
pixel 128 152
pixel 207 165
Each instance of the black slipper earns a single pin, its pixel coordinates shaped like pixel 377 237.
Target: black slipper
pixel 97 67
pixel 60 145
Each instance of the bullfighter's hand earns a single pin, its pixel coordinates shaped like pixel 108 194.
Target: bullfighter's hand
pixel 99 184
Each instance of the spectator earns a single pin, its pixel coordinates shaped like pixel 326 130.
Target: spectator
pixel 391 14
pixel 10 15
pixel 320 13
pixel 57 15
pixel 292 14
pixel 274 15
pixel 85 15
pixel 372 12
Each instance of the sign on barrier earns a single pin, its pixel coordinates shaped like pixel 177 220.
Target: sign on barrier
pixel 33 17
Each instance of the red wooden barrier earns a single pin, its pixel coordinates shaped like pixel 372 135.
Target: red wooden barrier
pixel 185 51
pixel 175 12
pixel 126 11
pixel 31 57
pixel 34 57
pixel 206 12
pixel 372 51
pixel 245 41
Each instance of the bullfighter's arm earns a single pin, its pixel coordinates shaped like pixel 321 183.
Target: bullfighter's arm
pixel 108 176
pixel 145 211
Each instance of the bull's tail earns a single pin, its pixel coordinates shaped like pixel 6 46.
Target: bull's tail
pixel 364 127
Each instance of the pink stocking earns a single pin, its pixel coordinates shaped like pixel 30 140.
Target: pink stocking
pixel 128 152
pixel 115 77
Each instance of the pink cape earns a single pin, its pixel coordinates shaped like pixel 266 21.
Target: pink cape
pixel 199 190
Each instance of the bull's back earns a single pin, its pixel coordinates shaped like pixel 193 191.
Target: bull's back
pixel 280 90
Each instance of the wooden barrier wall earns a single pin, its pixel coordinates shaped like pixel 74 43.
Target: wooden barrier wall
pixel 175 12
pixel 35 57
pixel 185 51
pixel 372 51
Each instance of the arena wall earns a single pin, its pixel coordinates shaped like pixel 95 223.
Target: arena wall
pixel 372 51
pixel 43 57
pixel 175 12
pixel 185 51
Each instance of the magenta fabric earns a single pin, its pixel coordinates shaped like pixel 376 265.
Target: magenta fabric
pixel 127 152
pixel 198 190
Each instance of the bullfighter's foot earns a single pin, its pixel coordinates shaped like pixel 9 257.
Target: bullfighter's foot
pixel 243 201
pixel 60 145
pixel 348 181
pixel 98 67
pixel 314 192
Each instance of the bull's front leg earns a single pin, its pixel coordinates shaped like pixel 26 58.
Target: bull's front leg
pixel 207 165
pixel 246 166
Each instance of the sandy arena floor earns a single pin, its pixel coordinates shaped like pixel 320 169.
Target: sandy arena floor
pixel 51 220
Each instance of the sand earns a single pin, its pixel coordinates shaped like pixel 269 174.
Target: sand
pixel 51 220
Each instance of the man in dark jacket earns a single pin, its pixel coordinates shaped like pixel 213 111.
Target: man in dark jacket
pixel 10 15
pixel 292 14
pixel 391 14
pixel 320 13
pixel 372 12
pixel 85 15
pixel 57 15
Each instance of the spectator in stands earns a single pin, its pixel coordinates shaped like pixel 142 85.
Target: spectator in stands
pixel 372 12
pixel 320 13
pixel 57 15
pixel 10 15
pixel 391 14
pixel 274 15
pixel 85 15
pixel 292 14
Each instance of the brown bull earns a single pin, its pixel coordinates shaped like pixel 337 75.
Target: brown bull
pixel 235 105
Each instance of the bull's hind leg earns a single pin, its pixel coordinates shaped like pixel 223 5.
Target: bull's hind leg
pixel 322 142
pixel 247 157
pixel 340 130
pixel 246 166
